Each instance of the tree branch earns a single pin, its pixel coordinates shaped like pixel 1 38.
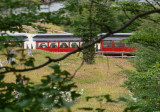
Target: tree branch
pixel 151 4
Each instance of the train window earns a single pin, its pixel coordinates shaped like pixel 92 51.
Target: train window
pixel 107 44
pixel 74 44
pixel 42 45
pixel 53 45
pixel 98 47
pixel 118 44
pixel 128 44
pixel 64 45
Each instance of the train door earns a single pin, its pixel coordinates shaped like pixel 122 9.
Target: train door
pixel 107 47
pixel 98 47
pixel 53 46
pixel 64 47
pixel 118 47
pixel 81 43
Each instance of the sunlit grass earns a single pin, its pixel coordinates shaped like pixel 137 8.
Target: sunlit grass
pixel 101 78
pixel 50 28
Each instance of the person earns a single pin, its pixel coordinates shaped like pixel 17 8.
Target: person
pixel 74 45
pixel 43 45
pixel 9 54
pixel 29 52
pixel 63 45
pixel 53 45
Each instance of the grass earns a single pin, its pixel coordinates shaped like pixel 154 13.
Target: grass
pixel 101 78
pixel 50 28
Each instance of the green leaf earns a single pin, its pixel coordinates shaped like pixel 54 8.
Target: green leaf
pixel 30 62
pixel 108 99
pixel 123 99
pixel 100 109
pixel 86 108
pixel 2 76
pixel 88 97
pixel 8 110
pixel 25 103
pixel 56 68
pixel 130 109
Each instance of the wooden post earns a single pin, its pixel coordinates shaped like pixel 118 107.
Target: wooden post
pixel 122 54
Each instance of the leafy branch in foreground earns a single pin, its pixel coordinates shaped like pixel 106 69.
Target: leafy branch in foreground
pixel 55 91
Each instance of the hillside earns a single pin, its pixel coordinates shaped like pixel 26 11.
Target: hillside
pixel 50 28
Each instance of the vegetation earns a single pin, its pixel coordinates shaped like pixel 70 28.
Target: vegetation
pixel 50 28
pixel 89 18
pixel 57 91
pixel 102 78
pixel 144 82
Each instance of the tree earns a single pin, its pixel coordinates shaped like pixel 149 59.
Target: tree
pixel 52 86
pixel 147 39
pixel 89 18
pixel 144 81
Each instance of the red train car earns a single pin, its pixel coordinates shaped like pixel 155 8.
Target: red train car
pixel 57 42
pixel 114 44
pixel 67 42
pixel 15 40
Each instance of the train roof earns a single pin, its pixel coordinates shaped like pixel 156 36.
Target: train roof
pixel 116 36
pixel 101 34
pixel 67 36
pixel 56 37
pixel 24 37
pixel 53 35
pixel 71 37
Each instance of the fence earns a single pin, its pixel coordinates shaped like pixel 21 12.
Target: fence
pixel 122 53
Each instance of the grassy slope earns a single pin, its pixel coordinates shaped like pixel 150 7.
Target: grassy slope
pixel 49 27
pixel 102 78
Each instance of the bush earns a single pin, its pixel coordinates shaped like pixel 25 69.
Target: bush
pixel 146 57
pixel 55 91
pixel 145 87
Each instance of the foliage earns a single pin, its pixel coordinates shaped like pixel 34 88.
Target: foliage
pixel 89 54
pixel 86 19
pixel 147 35
pixel 148 42
pixel 15 13
pixel 102 99
pixel 144 82
pixel 145 57
pixel 145 87
pixel 22 95
pixel 55 91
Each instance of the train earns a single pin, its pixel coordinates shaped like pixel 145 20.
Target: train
pixel 67 42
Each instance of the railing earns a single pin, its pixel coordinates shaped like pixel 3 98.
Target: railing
pixel 122 53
